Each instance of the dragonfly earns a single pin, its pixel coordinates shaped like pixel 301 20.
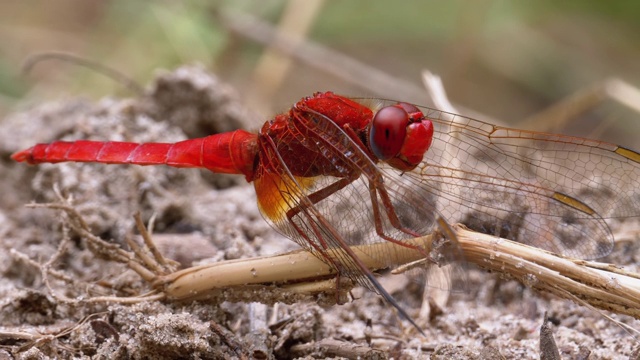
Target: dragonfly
pixel 334 171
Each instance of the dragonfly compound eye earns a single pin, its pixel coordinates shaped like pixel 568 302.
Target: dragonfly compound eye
pixel 411 109
pixel 388 131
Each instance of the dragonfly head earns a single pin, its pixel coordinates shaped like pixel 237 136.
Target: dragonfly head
pixel 400 135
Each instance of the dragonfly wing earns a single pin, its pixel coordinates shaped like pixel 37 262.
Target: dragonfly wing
pixel 547 190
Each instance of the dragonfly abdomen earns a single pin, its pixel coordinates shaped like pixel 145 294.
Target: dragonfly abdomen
pixel 232 153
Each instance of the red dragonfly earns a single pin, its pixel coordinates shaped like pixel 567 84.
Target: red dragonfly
pixel 334 172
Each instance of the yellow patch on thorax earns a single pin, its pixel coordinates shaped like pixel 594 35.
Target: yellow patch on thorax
pixel 277 194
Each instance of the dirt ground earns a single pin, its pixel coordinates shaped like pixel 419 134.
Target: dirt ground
pixel 203 218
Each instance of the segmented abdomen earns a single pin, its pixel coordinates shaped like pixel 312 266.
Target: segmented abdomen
pixel 111 152
pixel 232 152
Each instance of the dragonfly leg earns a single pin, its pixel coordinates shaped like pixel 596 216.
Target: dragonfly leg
pixel 315 198
pixel 374 190
pixel 355 269
pixel 324 235
pixel 327 238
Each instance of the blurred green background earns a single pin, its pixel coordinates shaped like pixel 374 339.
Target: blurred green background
pixel 505 59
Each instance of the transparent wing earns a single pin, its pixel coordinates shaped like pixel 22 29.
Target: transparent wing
pixel 546 190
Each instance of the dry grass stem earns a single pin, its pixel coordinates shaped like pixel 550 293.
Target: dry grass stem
pixel 600 285
pixel 555 117
pixel 603 286
pixel 273 66
pixel 325 59
pixel 297 268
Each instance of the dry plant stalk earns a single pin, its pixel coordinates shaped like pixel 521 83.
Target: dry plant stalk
pixel 603 286
pixel 297 271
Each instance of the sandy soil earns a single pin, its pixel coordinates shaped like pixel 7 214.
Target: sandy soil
pixel 202 218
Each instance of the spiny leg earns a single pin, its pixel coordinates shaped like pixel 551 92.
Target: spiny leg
pixel 314 198
pixel 371 282
pixel 373 189
pixel 376 188
pixel 318 196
